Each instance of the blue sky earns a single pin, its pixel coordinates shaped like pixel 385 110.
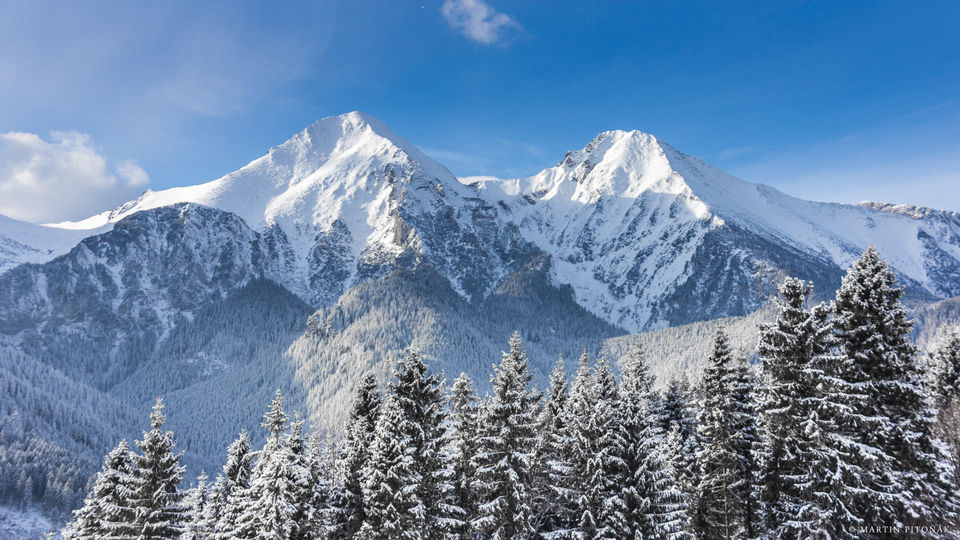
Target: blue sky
pixel 840 101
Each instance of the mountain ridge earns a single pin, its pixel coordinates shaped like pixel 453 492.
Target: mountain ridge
pixel 340 249
pixel 628 221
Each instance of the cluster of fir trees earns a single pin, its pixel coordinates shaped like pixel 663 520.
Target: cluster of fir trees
pixel 135 495
pixel 838 437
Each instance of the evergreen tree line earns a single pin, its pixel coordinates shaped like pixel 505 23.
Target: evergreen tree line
pixel 843 433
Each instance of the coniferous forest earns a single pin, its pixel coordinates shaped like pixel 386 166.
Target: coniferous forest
pixel 842 430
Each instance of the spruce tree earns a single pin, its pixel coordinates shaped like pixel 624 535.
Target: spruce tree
pixel 678 417
pixel 230 489
pixel 746 443
pixel 302 480
pixel 506 448
pixel 422 400
pixel 320 466
pixel 810 470
pixel 834 459
pixel 652 505
pixel 407 480
pixel 389 476
pixel 348 512
pixel 463 447
pixel 685 494
pixel 726 484
pixel 606 469
pixel 107 511
pixel 157 473
pixel 552 466
pixel 271 501
pixel 786 351
pixel 945 388
pixel 195 527
pixel 910 483
pixel 945 367
pixel 577 453
pixel 636 385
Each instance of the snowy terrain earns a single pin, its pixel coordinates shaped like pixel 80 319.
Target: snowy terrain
pixel 625 216
pixel 343 246
pixel 30 523
pixel 636 227
pixel 22 242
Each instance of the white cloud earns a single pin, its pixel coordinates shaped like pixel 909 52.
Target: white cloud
pixel 478 21
pixel 65 178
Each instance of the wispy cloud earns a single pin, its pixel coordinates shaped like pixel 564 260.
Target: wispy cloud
pixel 731 153
pixel 64 178
pixel 479 22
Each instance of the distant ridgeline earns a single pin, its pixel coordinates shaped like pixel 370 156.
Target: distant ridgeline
pixel 843 430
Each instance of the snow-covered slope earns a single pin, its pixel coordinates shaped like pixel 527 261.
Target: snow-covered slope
pixel 630 221
pixel 345 197
pixel 203 293
pixel 22 242
pixel 646 236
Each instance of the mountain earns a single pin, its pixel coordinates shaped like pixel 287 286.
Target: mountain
pixel 346 199
pixel 343 246
pixel 646 236
pixel 650 237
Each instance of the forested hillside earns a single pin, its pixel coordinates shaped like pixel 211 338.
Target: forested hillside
pixel 839 430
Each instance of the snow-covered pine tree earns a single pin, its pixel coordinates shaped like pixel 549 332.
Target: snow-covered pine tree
pixel 301 478
pixel 389 478
pixel 945 387
pixel 407 480
pixel 945 366
pixel 746 441
pixel 107 512
pixel 578 451
pixel 320 466
pixel 636 384
pixel 795 459
pixel 157 473
pixel 422 400
pixel 652 505
pixel 833 458
pixel 271 500
pixel 911 467
pixel 605 467
pixel 506 446
pixel 670 516
pixel 678 415
pixel 721 487
pixel 195 526
pixel 230 489
pixel 347 512
pixel 552 470
pixel 685 491
pixel 784 352
pixel 462 443
pixel 676 408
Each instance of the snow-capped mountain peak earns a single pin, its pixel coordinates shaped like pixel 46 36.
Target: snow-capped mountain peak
pixel 630 220
pixel 634 226
pixel 614 164
pixel 345 188
pixel 329 158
